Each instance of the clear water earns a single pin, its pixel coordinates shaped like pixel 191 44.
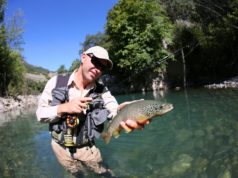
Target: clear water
pixel 198 139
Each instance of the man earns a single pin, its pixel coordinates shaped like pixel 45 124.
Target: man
pixel 73 139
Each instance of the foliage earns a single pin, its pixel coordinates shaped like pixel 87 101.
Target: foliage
pixel 2 8
pixel 61 69
pixel 137 30
pixel 4 62
pixel 75 64
pixel 12 69
pixel 15 31
pixel 99 39
pixel 35 69
pixel 34 87
pixel 15 79
pixel 210 33
pixel 179 9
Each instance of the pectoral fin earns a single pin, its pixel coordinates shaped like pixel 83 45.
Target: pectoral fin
pixel 116 132
pixel 142 119
pixel 106 137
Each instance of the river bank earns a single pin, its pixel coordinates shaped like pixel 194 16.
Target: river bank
pixel 230 83
pixel 16 103
pixel 25 101
pixel 11 108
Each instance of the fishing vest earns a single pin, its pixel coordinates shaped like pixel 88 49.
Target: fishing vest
pixel 90 125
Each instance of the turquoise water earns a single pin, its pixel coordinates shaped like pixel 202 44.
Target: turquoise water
pixel 197 139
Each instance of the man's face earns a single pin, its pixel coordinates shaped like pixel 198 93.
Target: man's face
pixel 92 67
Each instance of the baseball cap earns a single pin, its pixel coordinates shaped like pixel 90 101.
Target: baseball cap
pixel 100 53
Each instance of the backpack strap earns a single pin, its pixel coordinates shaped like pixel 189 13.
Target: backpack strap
pixel 60 92
pixel 62 80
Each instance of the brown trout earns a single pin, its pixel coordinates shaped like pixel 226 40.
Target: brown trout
pixel 140 111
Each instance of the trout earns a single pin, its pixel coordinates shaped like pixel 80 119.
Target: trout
pixel 141 111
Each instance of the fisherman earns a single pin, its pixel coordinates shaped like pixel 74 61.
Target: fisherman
pixel 76 106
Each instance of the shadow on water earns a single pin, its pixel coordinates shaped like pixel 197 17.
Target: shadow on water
pixel 198 141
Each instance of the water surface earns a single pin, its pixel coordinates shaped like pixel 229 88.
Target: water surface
pixel 198 139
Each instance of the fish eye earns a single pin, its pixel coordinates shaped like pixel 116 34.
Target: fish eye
pixel 161 106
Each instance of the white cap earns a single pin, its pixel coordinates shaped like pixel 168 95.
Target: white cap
pixel 100 53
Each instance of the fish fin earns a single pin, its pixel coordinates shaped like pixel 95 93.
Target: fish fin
pixel 142 119
pixel 106 137
pixel 116 132
pixel 128 130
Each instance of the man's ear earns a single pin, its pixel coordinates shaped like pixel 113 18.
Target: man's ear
pixel 83 57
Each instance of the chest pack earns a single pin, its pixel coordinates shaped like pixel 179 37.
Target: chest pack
pixel 85 127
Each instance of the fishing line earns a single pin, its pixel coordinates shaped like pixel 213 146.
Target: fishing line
pixel 160 61
pixel 213 3
pixel 215 12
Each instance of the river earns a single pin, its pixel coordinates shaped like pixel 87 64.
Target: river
pixel 197 139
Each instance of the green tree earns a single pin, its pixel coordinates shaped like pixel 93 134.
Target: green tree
pixel 15 31
pixel 4 51
pixel 11 61
pixel 180 9
pixel 209 28
pixel 75 64
pixel 4 63
pixel 137 31
pixel 99 39
pixel 2 8
pixel 61 69
pixel 16 83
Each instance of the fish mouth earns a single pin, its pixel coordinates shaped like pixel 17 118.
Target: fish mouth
pixel 167 108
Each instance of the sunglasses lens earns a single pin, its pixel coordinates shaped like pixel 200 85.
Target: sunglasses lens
pixel 97 63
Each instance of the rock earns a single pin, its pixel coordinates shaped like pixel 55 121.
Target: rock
pixel 1 106
pixel 225 174
pixel 231 83
pixel 182 164
pixel 9 104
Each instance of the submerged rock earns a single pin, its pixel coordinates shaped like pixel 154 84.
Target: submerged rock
pixel 231 83
pixel 225 174
pixel 183 135
pixel 182 164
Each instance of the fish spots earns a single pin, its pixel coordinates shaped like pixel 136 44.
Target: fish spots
pixel 151 109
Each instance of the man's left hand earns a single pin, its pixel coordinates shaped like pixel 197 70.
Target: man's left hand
pixel 130 125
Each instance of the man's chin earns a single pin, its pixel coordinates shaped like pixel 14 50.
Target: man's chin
pixel 92 78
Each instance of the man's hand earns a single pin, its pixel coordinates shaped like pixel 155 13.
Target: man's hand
pixel 76 105
pixel 130 125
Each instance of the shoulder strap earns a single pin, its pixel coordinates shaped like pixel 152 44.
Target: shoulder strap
pixel 99 89
pixel 62 80
pixel 60 92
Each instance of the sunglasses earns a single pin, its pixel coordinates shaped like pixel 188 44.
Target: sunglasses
pixel 97 63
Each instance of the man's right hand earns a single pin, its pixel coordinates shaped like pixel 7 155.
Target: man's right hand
pixel 76 105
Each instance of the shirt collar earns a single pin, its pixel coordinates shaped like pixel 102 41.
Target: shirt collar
pixel 72 81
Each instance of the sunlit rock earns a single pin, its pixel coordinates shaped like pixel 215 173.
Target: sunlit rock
pixel 182 164
pixel 200 165
pixel 183 135
pixel 199 133
pixel 225 174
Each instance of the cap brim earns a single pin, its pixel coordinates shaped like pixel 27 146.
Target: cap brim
pixel 109 63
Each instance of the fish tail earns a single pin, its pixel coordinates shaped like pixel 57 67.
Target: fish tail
pixel 106 137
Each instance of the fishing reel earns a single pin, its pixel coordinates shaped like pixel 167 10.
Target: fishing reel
pixel 71 121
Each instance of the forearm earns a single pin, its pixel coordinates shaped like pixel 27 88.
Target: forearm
pixel 62 108
pixel 110 103
pixel 47 113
